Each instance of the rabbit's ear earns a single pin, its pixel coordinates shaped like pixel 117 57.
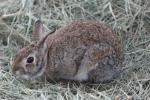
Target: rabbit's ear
pixel 38 32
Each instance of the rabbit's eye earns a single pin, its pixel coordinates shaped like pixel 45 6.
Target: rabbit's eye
pixel 30 59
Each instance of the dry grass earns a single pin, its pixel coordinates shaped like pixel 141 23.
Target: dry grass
pixel 131 16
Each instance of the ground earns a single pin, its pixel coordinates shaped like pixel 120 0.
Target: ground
pixel 130 18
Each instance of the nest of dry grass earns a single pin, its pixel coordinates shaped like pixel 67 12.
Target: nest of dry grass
pixel 132 17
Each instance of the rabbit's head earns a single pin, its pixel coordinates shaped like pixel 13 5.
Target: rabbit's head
pixel 31 61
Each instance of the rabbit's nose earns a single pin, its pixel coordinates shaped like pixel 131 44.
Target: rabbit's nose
pixel 18 71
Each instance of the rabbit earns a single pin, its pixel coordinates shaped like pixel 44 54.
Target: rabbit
pixel 80 51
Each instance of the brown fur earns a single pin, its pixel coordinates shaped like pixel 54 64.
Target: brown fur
pixel 77 35
pixel 82 51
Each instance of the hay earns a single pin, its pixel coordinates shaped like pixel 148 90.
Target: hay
pixel 132 17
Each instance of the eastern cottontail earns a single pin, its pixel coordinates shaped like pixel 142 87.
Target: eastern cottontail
pixel 81 51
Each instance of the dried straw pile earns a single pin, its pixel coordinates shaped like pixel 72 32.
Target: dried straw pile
pixel 132 17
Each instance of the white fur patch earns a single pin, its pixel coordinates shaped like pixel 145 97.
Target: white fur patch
pixel 26 77
pixel 81 76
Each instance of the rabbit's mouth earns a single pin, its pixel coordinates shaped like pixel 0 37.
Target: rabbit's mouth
pixel 29 75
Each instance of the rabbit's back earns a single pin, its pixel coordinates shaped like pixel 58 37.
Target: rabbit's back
pixel 79 48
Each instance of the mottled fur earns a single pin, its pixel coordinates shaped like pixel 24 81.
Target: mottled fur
pixel 81 51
